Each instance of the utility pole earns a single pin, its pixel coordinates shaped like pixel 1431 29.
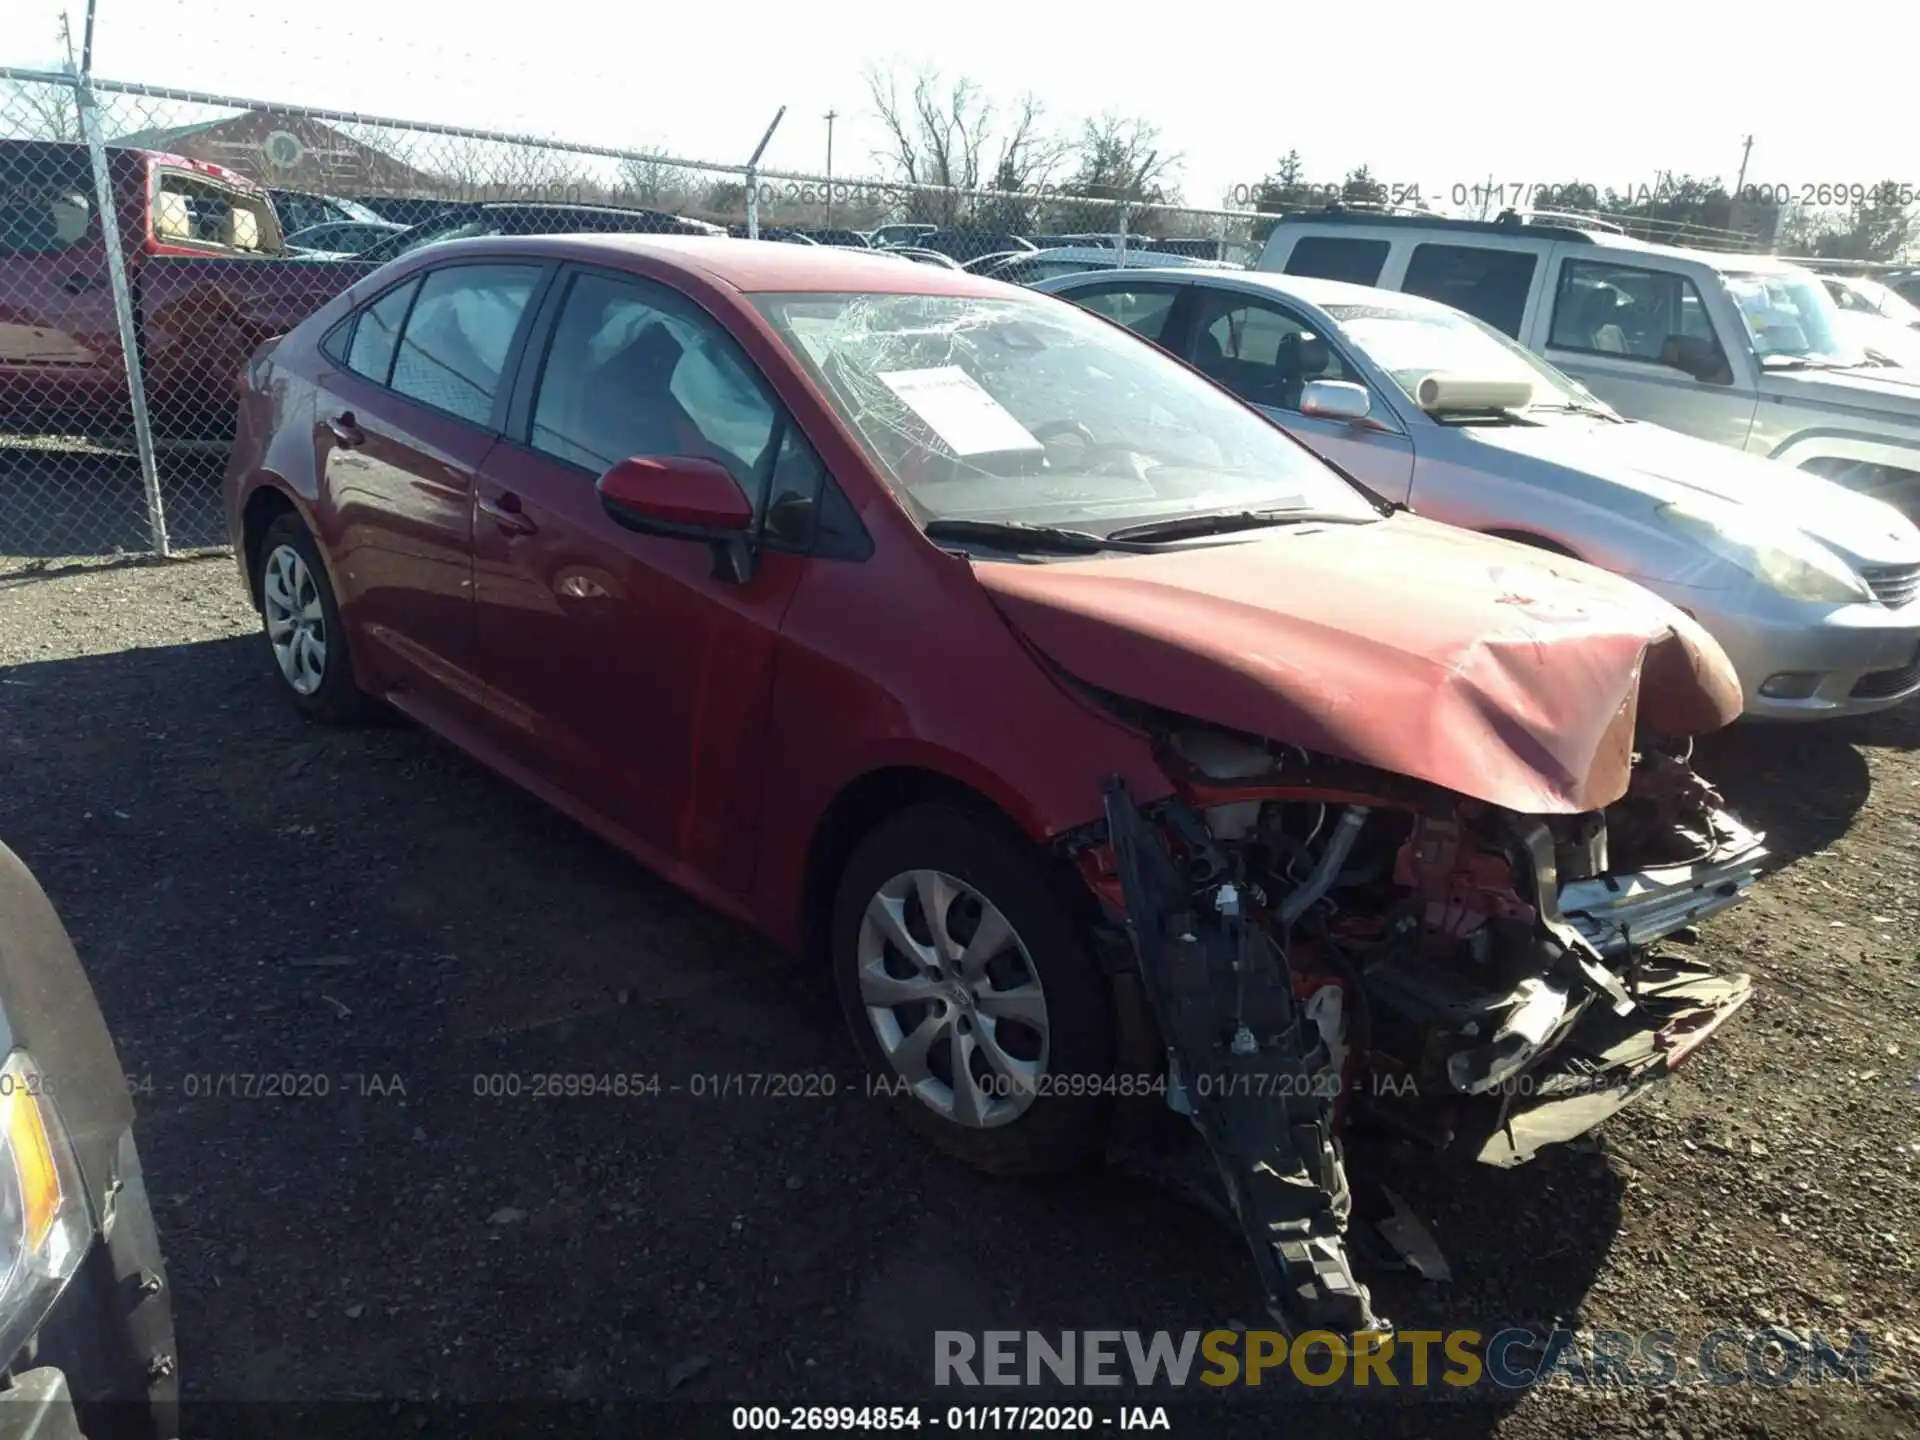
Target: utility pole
pixel 832 115
pixel 1741 184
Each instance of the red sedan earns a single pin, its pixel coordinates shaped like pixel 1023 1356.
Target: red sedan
pixel 1098 739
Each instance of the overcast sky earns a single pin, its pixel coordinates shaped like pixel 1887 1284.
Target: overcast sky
pixel 1434 95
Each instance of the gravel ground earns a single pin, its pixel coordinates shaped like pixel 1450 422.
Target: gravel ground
pixel 370 913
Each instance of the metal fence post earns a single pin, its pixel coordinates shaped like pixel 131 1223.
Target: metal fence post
pixel 753 204
pixel 1123 232
pixel 123 312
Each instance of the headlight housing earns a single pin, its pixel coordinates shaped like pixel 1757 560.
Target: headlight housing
pixel 1778 556
pixel 44 1229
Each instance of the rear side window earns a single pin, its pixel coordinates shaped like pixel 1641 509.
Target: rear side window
pixel 45 206
pixel 376 334
pixel 458 335
pixel 1488 284
pixel 1338 257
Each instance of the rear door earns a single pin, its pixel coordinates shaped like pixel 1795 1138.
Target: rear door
pixel 1267 353
pixel 403 420
pixel 59 339
pixel 620 667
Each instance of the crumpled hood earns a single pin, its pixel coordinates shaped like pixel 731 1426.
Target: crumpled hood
pixel 1478 665
pixel 1665 465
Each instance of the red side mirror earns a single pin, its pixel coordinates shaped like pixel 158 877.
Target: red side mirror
pixel 686 490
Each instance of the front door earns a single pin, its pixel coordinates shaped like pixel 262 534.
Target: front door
pixel 59 338
pixel 1609 325
pixel 623 667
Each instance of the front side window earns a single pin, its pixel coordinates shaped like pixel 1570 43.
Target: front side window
pixel 1020 410
pixel 1489 284
pixel 1261 352
pixel 633 371
pixel 458 334
pixel 1410 345
pixel 1609 309
pixel 1338 257
pixel 1143 309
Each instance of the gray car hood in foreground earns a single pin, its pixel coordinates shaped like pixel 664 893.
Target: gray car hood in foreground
pixel 1664 465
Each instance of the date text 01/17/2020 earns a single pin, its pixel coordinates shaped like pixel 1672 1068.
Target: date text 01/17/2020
pixel 1010 1419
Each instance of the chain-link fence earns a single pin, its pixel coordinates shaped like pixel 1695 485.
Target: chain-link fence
pixel 152 238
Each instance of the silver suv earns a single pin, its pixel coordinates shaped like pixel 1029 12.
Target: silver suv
pixel 1743 350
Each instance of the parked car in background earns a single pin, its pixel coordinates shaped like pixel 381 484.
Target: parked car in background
pixel 849 239
pixel 1812 590
pixel 1742 350
pixel 1884 340
pixel 300 211
pixel 1229 252
pixel 900 233
pixel 516 218
pixel 1904 283
pixel 964 245
pixel 209 270
pixel 1036 266
pixel 1032 684
pixel 1862 294
pixel 938 259
pixel 342 237
pixel 86 1315
pixel 783 233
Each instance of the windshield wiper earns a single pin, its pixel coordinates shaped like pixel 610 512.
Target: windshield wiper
pixel 1222 522
pixel 1016 536
pixel 1573 407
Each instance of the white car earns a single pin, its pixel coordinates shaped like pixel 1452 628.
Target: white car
pixel 1812 590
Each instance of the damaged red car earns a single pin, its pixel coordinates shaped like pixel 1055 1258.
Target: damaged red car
pixel 1094 735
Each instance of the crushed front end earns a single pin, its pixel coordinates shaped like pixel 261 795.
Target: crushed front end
pixel 1320 943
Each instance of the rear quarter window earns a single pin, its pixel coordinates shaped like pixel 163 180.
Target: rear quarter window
pixel 1339 257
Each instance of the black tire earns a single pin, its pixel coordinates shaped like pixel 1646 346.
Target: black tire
pixel 1056 1131
pixel 337 700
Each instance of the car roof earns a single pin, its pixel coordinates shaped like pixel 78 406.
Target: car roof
pixel 1321 293
pixel 750 266
pixel 1543 231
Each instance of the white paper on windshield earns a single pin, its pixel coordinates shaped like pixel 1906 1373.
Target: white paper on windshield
pixel 968 420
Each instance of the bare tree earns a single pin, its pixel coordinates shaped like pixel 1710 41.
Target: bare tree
pixel 31 110
pixel 648 180
pixel 1120 159
pixel 951 134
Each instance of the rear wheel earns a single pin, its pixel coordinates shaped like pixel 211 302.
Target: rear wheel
pixel 971 994
pixel 303 627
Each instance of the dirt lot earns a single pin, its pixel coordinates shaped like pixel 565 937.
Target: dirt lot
pixel 255 896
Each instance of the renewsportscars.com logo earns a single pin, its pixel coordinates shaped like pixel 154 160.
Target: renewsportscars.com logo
pixel 1514 1358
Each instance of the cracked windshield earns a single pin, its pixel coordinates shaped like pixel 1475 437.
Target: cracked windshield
pixel 1031 412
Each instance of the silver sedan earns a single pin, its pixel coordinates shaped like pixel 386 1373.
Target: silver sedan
pixel 1813 590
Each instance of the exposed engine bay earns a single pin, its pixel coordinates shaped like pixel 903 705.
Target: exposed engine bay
pixel 1322 944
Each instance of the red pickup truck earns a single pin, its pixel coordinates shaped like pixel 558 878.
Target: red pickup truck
pixel 210 277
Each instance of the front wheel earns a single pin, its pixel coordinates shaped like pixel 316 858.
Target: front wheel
pixel 971 994
pixel 303 626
